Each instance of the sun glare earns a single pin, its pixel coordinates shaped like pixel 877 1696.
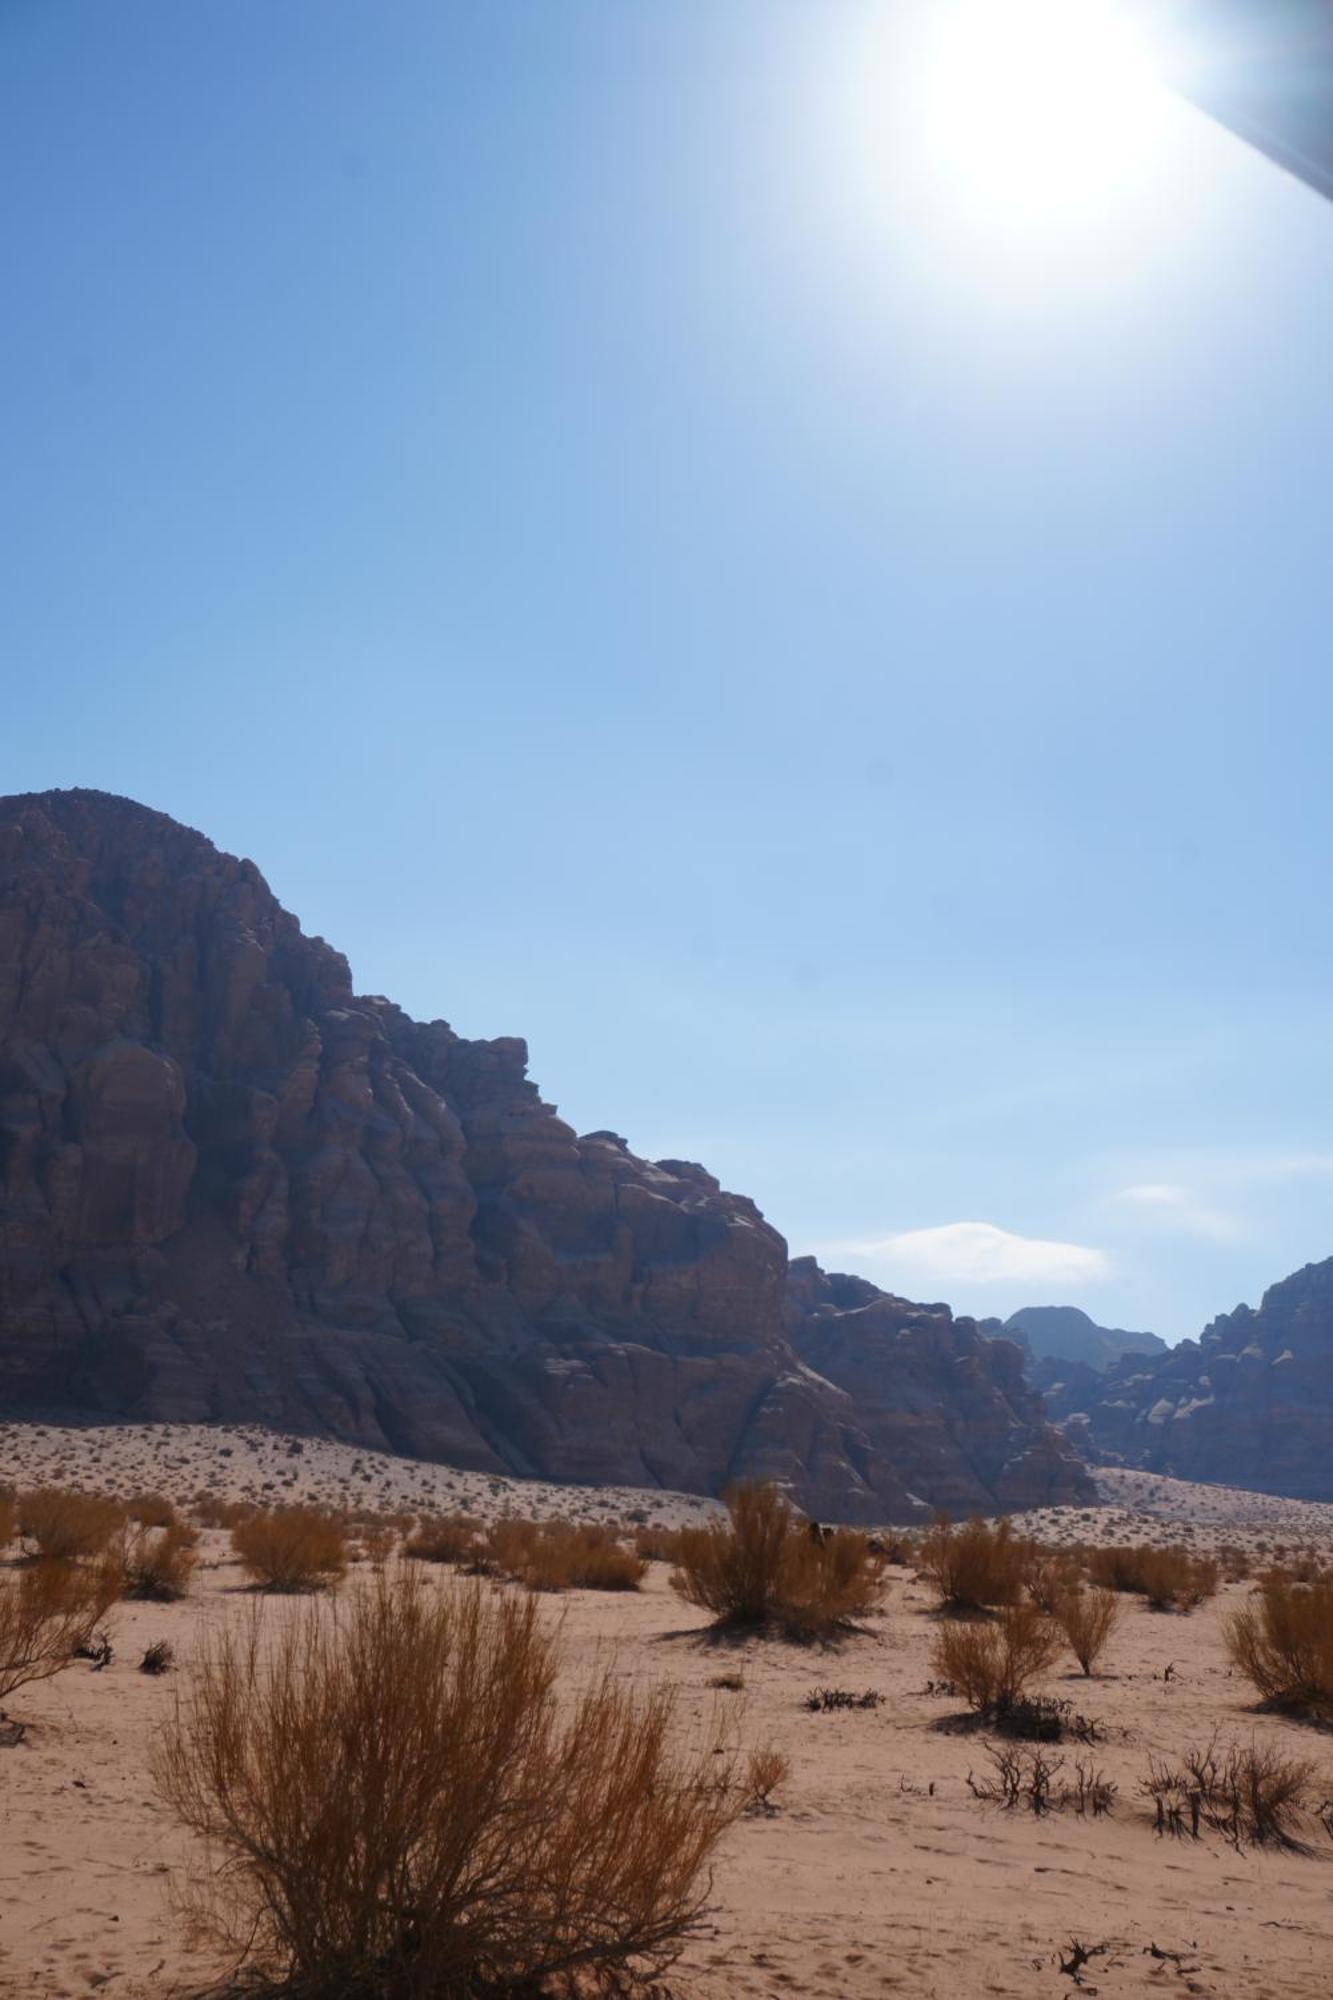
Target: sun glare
pixel 1039 108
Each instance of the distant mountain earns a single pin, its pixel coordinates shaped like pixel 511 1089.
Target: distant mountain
pixel 233 1188
pixel 1068 1334
pixel 1250 1403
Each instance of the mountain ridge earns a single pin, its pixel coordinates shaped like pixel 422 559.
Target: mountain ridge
pixel 232 1188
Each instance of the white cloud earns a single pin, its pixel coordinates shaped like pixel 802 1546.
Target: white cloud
pixel 979 1253
pixel 1175 1207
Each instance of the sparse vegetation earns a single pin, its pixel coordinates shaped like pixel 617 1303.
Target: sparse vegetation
pixel 159 1658
pixel 470 1834
pixel 1251 1796
pixel 1087 1618
pixel 291 1548
pixel 761 1568
pixel 1283 1643
pixel 992 1662
pixel 825 1701
pixel 975 1567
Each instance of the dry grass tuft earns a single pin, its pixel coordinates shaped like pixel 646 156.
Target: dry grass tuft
pixel 976 1567
pixel 1087 1618
pixel 1284 1646
pixel 761 1568
pixel 48 1614
pixel 991 1664
pixel 67 1525
pixel 398 1805
pixel 292 1548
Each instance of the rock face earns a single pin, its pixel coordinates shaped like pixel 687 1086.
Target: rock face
pixel 231 1188
pixel 1250 1403
pixel 1064 1333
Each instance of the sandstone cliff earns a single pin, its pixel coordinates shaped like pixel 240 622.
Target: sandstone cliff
pixel 1250 1403
pixel 231 1188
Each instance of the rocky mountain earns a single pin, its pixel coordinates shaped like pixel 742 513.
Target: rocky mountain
pixel 1250 1403
pixel 1064 1333
pixel 232 1188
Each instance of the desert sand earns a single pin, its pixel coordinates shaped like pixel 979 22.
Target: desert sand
pixel 878 1872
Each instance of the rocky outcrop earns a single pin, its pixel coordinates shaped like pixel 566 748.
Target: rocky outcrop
pixel 1249 1404
pixel 1066 1334
pixel 231 1188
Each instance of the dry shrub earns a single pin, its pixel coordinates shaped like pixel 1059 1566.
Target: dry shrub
pixel 377 1544
pixel 1087 1618
pixel 765 1770
pixel 1049 1579
pixel 975 1567
pixel 1284 1646
pixel 761 1567
pixel 397 1804
pixel 1028 1778
pixel 444 1538
pixel 9 1516
pixel 67 1525
pixel 1248 1795
pixel 48 1614
pixel 564 1555
pixel 991 1663
pixel 656 1544
pixel 158 1562
pixel 152 1510
pixel 1171 1579
pixel 292 1548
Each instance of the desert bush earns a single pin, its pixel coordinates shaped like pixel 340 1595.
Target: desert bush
pixel 291 1548
pixel 48 1616
pixel 765 1770
pixel 657 1544
pixel 1087 1618
pixel 1283 1644
pixel 470 1832
pixel 975 1566
pixel 376 1544
pixel 760 1567
pixel 992 1663
pixel 158 1562
pixel 152 1510
pixel 444 1538
pixel 1249 1795
pixel 563 1555
pixel 67 1525
pixel 9 1518
pixel 1171 1579
pixel 159 1658
pixel 1049 1579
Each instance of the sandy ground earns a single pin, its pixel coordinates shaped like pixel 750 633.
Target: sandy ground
pixel 879 1873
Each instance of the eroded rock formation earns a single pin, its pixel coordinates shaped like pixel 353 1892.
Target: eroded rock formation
pixel 231 1188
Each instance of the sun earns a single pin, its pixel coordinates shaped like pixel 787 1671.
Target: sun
pixel 1037 109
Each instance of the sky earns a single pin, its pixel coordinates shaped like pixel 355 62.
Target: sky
pixel 701 533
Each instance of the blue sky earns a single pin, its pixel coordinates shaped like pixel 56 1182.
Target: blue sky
pixel 650 550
